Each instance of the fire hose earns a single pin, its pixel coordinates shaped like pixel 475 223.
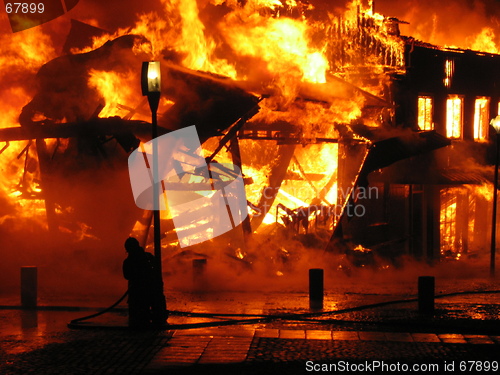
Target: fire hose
pixel 74 323
pixel 263 318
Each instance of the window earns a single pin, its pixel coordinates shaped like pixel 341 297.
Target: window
pixel 449 69
pixel 456 225
pixel 424 110
pixel 481 120
pixel 454 109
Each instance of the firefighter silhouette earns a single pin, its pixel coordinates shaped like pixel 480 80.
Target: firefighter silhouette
pixel 146 302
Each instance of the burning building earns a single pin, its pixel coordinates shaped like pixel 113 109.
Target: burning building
pixel 453 92
pixel 350 136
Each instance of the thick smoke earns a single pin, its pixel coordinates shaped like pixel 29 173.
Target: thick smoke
pixel 273 264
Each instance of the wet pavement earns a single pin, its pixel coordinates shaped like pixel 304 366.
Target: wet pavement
pixel 262 332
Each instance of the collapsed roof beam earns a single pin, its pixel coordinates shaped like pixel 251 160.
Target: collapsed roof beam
pixel 94 127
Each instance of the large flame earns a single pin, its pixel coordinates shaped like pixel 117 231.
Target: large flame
pixel 21 55
pixel 302 63
pixel 271 47
pixel 282 44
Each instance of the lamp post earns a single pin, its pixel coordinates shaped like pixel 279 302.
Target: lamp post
pixel 495 123
pixel 151 87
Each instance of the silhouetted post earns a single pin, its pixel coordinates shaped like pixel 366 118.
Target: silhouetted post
pixel 156 191
pixel 426 294
pixel 316 288
pixel 496 125
pixel 29 287
pixel 199 274
pixel 29 318
pixel 151 87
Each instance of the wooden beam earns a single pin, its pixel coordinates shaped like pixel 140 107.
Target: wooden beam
pixel 94 127
pixel 276 177
pixel 234 148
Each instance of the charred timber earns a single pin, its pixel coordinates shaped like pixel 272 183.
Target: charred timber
pixel 211 103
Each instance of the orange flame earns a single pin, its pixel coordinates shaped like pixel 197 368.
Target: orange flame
pixel 281 43
pixel 485 41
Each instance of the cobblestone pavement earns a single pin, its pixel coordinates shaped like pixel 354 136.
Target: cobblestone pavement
pixel 463 329
pixel 272 350
pixel 245 349
pixel 83 353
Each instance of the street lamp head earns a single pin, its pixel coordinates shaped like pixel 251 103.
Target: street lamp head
pixel 496 124
pixel 150 77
